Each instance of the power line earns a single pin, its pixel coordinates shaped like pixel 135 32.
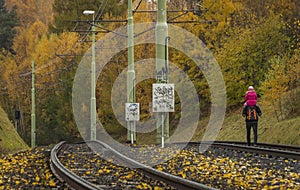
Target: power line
pixel 22 83
pixel 138 5
pixel 98 16
pixel 100 13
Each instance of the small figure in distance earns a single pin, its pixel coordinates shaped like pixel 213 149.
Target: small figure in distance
pixel 251 114
pixel 250 97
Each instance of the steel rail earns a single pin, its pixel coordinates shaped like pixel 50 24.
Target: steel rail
pixel 70 178
pixel 280 146
pixel 262 145
pixel 269 145
pixel 79 183
pixel 261 148
pixel 175 181
pixel 170 179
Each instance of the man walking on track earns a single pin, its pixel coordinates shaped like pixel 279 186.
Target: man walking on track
pixel 251 114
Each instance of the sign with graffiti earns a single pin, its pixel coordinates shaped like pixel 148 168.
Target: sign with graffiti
pixel 132 111
pixel 163 97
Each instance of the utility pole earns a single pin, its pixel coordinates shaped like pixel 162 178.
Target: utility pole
pixel 131 125
pixel 33 134
pixel 93 111
pixel 93 86
pixel 161 31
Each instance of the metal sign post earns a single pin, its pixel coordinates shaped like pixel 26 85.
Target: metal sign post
pixel 132 114
pixel 163 102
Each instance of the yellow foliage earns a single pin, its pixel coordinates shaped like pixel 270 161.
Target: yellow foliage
pixel 159 168
pixel 100 171
pixel 52 183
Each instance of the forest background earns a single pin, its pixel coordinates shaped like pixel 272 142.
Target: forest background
pixel 256 42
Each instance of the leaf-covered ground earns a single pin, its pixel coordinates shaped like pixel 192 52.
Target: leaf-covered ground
pixel 222 169
pixel 28 170
pixel 94 168
pixel 226 169
pixel 219 168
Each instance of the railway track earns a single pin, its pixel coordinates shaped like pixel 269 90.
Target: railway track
pixel 266 145
pixel 66 175
pixel 185 176
pixel 275 150
pixel 79 181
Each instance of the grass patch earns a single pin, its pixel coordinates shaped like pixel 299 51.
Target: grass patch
pixel 269 130
pixel 234 129
pixel 284 132
pixel 10 141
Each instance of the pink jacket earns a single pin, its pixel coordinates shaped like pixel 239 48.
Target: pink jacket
pixel 251 98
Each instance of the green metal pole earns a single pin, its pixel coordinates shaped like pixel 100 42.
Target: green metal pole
pixel 93 86
pixel 161 31
pixel 33 134
pixel 131 125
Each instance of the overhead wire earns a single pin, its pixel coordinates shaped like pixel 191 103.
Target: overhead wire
pixel 77 17
pixel 99 13
pixel 25 81
pixel 97 17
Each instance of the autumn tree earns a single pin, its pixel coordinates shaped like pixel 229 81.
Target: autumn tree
pixel 250 12
pixel 66 12
pixel 280 88
pixel 248 38
pixel 245 58
pixel 53 79
pixel 9 21
pixel 54 86
pixel 30 11
pixel 25 41
pixel 218 17
pixel 6 63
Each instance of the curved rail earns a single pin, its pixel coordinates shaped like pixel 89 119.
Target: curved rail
pixel 175 181
pixel 73 180
pixel 79 183
pixel 172 180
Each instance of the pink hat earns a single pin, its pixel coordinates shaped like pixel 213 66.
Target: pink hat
pixel 250 88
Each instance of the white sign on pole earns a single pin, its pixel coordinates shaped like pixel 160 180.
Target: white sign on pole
pixel 132 111
pixel 163 97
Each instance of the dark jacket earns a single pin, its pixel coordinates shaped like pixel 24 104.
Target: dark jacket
pixel 251 113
